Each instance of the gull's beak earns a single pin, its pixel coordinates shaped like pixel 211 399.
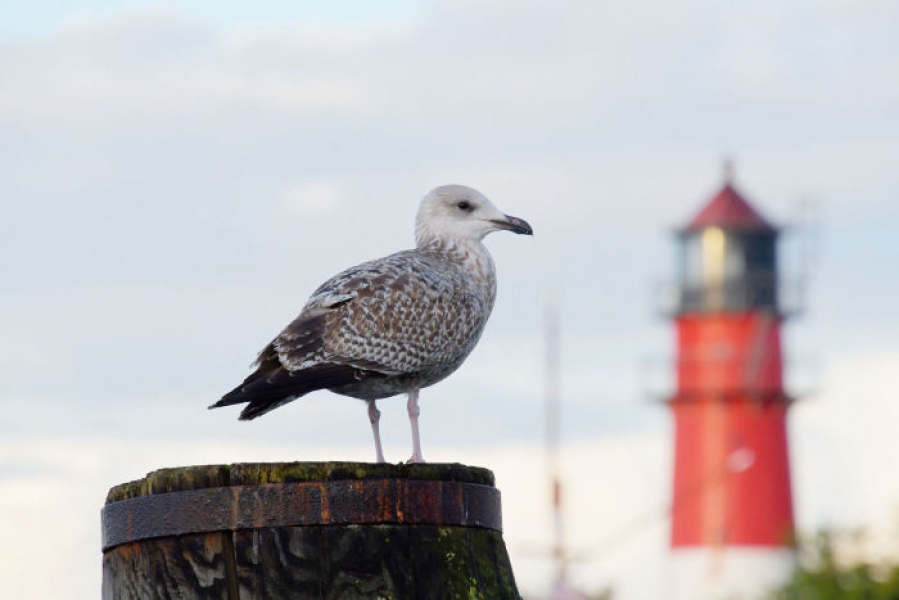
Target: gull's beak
pixel 513 224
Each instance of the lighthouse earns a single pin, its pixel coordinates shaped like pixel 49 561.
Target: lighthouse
pixel 732 529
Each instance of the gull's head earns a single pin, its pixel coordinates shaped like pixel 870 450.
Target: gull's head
pixel 456 213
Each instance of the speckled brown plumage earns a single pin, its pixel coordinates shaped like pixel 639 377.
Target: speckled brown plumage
pixel 392 325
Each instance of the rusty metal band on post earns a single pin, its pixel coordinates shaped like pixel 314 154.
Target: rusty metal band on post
pixel 366 502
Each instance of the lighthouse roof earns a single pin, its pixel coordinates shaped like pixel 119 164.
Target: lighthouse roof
pixel 729 210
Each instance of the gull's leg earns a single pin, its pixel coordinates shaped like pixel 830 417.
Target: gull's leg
pixel 374 415
pixel 414 411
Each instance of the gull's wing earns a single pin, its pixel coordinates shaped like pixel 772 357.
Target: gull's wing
pixel 397 316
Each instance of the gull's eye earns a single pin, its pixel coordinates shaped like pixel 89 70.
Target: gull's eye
pixel 465 205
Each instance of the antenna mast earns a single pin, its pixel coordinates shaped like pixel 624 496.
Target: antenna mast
pixel 553 413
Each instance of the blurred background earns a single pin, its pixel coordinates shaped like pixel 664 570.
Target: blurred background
pixel 177 177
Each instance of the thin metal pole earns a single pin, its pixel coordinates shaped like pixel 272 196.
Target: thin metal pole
pixel 553 427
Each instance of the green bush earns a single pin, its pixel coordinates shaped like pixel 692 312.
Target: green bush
pixel 821 575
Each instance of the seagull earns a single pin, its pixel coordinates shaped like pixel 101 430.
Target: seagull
pixel 393 325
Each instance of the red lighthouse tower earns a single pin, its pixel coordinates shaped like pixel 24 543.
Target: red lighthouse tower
pixel 732 517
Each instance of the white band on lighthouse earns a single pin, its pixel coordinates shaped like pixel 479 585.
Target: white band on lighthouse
pixel 748 573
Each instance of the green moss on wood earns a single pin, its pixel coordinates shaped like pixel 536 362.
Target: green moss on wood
pixel 206 476
pixel 254 473
pixel 175 479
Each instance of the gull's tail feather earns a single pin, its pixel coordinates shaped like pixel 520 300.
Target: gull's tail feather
pixel 266 389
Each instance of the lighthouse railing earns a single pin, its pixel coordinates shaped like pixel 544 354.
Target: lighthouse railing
pixel 786 296
pixel 658 376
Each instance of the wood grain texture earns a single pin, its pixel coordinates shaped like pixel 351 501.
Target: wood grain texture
pixel 394 561
pixel 188 566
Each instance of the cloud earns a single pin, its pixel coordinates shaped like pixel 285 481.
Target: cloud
pixel 310 197
pixel 153 160
pixel 150 149
pixel 146 72
pixel 590 70
pixel 845 435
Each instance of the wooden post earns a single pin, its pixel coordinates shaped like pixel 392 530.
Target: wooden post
pixel 306 530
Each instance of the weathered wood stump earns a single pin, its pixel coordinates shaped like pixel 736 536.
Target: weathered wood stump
pixel 306 530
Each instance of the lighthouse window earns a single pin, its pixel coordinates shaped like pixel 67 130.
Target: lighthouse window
pixel 734 259
pixel 691 260
pixel 722 257
pixel 710 258
pixel 714 245
pixel 760 255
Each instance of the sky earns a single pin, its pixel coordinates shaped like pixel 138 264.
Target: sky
pixel 176 178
